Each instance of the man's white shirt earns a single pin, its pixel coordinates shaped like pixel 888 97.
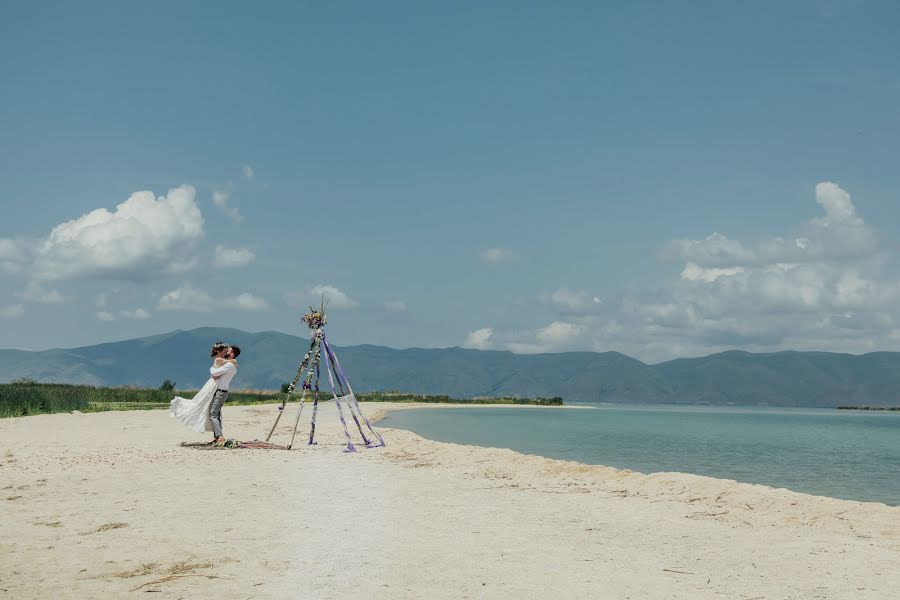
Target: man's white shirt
pixel 227 372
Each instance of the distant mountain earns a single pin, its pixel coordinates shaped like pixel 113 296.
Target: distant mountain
pixel 270 359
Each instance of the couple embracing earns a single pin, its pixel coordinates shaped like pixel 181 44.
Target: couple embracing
pixel 203 412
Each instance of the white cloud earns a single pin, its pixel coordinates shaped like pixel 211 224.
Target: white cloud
pixel 138 314
pixel 12 312
pixel 495 256
pixel 838 235
pixel 554 337
pixel 395 305
pixel 142 238
pixel 558 333
pixel 187 298
pixel 572 301
pixel 694 272
pixel 480 339
pixel 247 301
pixel 839 209
pixel 221 199
pixel 248 172
pixel 312 296
pixel 822 287
pixel 715 250
pixel 226 258
pixel 13 255
pixel 34 292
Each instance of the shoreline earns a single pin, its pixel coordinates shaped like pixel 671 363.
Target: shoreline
pixel 115 504
pixel 381 414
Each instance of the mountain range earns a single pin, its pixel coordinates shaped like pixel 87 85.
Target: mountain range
pixel 268 359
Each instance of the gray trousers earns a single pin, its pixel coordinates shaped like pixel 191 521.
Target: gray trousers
pixel 215 411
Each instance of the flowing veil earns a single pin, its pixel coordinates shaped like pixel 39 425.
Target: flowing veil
pixel 194 412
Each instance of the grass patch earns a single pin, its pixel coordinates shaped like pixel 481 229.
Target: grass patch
pixel 141 571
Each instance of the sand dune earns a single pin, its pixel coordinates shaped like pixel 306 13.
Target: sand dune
pixel 109 505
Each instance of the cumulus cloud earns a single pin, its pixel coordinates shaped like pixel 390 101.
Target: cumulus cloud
pixel 480 339
pixel 496 256
pixel 143 237
pixel 713 251
pixel 228 258
pixel 312 296
pixel 188 298
pixel 839 209
pixel 12 312
pixel 694 272
pixel 838 235
pixel 221 199
pixel 248 172
pixel 553 337
pixel 821 287
pixel 395 305
pixel 136 314
pixel 248 301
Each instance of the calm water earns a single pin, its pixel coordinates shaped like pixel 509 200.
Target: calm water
pixel 843 454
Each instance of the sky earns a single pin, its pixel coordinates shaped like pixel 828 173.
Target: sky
pixel 659 179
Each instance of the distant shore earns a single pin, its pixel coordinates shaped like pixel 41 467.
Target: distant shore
pixel 868 407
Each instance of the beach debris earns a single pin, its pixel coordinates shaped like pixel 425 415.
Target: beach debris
pixel 170 578
pixel 679 572
pixel 233 443
pixel 319 355
pixel 106 527
pixel 698 515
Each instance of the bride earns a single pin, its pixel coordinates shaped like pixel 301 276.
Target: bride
pixel 194 412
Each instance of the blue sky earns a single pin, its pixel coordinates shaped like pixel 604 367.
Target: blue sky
pixel 663 180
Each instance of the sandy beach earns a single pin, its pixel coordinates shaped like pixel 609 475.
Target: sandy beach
pixel 110 505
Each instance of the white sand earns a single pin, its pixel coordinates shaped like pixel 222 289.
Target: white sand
pixel 94 506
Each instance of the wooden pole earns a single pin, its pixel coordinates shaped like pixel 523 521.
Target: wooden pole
pixel 291 387
pixel 313 365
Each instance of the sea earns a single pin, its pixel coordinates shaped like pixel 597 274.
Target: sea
pixel 854 455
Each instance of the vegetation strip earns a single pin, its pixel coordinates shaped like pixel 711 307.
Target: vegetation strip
pixel 23 398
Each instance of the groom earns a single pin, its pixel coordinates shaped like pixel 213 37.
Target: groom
pixel 223 376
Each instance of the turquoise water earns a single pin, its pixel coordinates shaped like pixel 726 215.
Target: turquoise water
pixel 843 454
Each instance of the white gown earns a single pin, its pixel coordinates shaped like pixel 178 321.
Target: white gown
pixel 194 413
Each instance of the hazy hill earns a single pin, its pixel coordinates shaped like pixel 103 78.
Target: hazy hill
pixel 271 358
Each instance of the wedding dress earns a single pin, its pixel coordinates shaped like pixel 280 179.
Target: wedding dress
pixel 194 412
